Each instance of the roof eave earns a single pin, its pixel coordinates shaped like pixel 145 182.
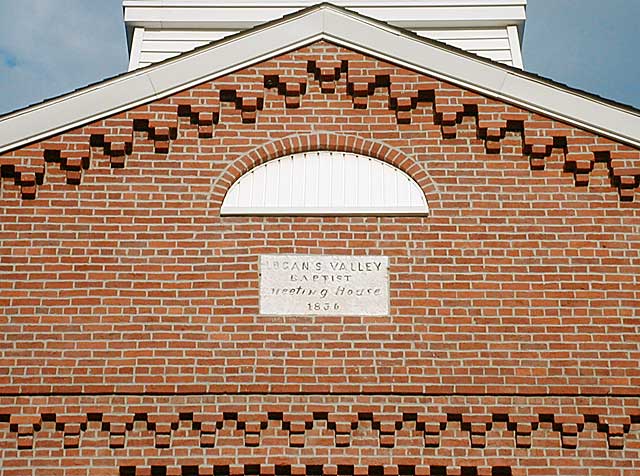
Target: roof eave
pixel 302 28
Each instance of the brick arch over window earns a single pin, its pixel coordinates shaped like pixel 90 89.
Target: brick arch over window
pixel 327 142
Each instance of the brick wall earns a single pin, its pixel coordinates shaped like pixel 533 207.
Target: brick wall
pixel 512 346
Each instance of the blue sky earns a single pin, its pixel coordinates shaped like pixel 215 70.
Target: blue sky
pixel 50 47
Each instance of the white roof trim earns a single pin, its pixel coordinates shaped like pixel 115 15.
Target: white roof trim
pixel 307 3
pixel 323 22
pixel 514 45
pixel 136 46
pixel 243 14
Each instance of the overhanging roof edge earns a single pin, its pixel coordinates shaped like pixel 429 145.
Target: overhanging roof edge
pixel 323 21
pixel 157 81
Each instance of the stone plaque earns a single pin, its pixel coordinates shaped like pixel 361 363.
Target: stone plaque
pixel 324 285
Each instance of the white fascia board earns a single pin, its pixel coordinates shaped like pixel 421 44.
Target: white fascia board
pixel 514 46
pixel 209 63
pixel 74 110
pixel 345 28
pixel 405 14
pixel 408 51
pixel 136 48
pixel 572 108
pixel 486 78
pixel 307 3
pixel 158 81
pixel 169 15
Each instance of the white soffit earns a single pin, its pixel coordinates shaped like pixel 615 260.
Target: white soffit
pixel 333 24
pixel 325 183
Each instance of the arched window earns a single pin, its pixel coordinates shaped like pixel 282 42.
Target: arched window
pixel 325 183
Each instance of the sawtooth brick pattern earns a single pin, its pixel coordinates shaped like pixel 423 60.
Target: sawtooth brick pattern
pixel 378 434
pixel 317 80
pixel 119 277
pixel 518 282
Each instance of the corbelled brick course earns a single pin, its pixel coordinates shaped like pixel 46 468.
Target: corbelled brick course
pixel 512 346
pixel 400 433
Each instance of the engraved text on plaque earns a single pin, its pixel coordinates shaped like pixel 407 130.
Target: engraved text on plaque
pixel 324 285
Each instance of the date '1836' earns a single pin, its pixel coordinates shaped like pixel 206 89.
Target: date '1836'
pixel 324 285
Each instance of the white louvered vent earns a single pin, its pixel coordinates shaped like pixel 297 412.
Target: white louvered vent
pixel 325 183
